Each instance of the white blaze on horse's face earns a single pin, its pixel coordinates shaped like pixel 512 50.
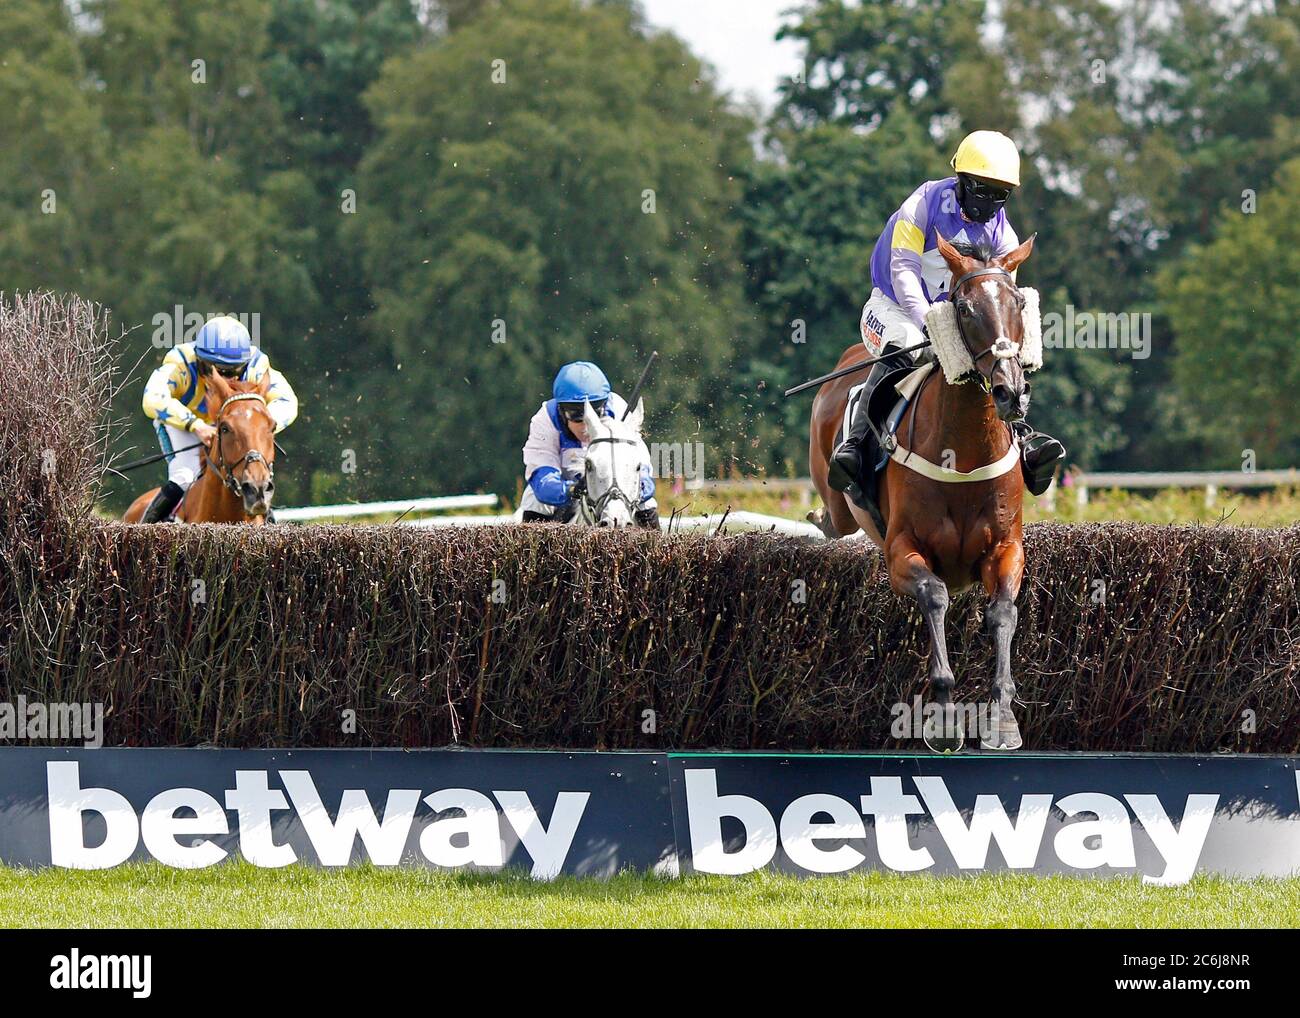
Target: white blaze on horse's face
pixel 612 468
pixel 1001 316
pixel 1004 348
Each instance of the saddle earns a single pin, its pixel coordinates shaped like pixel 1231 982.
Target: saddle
pixel 884 408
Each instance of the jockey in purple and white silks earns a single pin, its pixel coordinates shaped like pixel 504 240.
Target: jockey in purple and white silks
pixel 557 447
pixel 908 274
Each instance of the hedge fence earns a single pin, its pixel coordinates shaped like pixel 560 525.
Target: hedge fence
pixel 1131 637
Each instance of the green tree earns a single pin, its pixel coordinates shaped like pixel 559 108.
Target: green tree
pixel 197 66
pixel 863 58
pixel 569 201
pixel 1234 308
pixel 321 57
pixel 56 149
pixel 813 213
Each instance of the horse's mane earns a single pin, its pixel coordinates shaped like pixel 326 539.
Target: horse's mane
pixel 240 385
pixel 982 251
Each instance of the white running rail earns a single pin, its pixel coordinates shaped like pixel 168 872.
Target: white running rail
pixel 733 521
pixel 396 505
pixel 738 520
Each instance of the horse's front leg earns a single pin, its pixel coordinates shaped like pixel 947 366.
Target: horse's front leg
pixel 1002 572
pixel 910 574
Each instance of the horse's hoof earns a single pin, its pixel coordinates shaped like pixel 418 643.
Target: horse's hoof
pixel 1005 731
pixel 822 521
pixel 944 736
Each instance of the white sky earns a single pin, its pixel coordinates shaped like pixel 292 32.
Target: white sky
pixel 738 37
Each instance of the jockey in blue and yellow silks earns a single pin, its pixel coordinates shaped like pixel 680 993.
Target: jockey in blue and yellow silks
pixel 908 274
pixel 175 398
pixel 557 447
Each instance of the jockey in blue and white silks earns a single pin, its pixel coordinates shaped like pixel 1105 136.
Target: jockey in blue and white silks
pixel 557 446
pixel 908 274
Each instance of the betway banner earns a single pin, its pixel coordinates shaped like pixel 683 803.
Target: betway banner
pixel 1164 817
pixel 548 813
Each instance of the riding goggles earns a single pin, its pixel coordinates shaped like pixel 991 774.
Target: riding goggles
pixel 227 370
pixel 986 190
pixel 575 412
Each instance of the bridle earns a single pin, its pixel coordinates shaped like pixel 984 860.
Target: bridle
pixel 1003 349
pixel 592 509
pixel 225 470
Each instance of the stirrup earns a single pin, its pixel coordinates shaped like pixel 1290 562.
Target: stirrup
pixel 1040 454
pixel 837 475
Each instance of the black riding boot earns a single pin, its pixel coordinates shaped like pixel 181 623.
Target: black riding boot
pixel 1039 456
pixel 168 498
pixel 561 514
pixel 647 519
pixel 845 466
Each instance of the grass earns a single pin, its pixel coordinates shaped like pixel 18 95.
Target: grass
pixel 239 895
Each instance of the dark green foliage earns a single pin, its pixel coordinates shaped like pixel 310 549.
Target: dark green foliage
pixel 527 204
pixel 1141 124
pixel 1237 362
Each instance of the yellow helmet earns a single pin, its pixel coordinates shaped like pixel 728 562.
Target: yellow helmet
pixel 988 154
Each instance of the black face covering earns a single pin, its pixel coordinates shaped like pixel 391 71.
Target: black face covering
pixel 980 199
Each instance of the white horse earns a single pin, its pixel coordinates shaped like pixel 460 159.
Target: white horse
pixel 610 491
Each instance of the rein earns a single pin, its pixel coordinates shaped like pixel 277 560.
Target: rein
pixel 224 470
pixel 1003 349
pixel 592 509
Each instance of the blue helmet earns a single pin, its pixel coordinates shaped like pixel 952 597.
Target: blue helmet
pixel 224 341
pixel 580 382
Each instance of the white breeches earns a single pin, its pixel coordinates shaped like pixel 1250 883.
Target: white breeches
pixel 885 323
pixel 182 467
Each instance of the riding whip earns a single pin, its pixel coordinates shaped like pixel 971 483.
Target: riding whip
pixel 852 368
pixel 164 455
pixel 636 392
pixel 156 457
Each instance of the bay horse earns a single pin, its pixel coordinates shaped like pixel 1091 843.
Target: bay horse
pixel 238 476
pixel 942 536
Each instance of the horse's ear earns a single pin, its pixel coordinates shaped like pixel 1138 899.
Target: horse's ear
pixel 957 261
pixel 1016 258
pixel 590 418
pixel 264 385
pixel 217 385
pixel 637 416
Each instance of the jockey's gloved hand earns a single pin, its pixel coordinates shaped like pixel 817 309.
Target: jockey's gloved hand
pixel 647 483
pixel 577 487
pixel 550 487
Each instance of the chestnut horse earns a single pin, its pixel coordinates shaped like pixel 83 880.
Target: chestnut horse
pixel 237 480
pixel 943 536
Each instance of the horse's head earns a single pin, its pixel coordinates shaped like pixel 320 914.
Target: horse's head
pixel 612 468
pixel 989 306
pixel 243 450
